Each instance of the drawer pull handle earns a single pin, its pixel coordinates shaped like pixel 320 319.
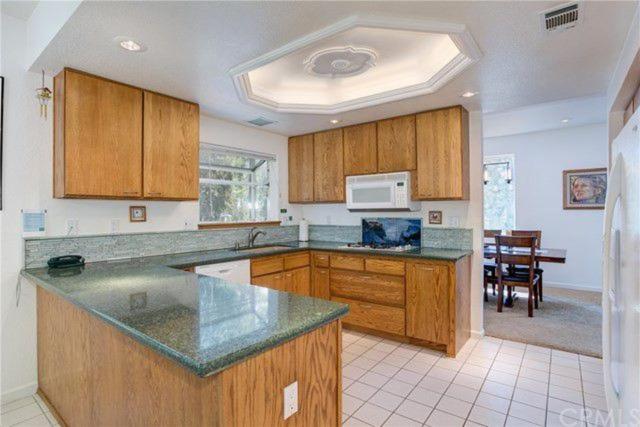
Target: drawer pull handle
pixel 156 193
pixel 130 193
pixel 365 306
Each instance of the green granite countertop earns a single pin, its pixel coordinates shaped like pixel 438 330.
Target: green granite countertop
pixel 204 323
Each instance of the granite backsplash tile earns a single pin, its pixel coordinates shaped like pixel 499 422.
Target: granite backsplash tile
pixel 432 237
pixel 116 246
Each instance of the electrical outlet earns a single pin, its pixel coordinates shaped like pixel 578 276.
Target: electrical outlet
pixel 114 225
pixel 290 399
pixel 453 221
pixel 72 227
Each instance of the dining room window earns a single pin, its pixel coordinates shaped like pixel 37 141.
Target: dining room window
pixel 235 185
pixel 499 192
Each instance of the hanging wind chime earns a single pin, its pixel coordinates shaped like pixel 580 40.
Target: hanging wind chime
pixel 44 95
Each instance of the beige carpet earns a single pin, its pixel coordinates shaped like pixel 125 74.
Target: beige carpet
pixel 566 320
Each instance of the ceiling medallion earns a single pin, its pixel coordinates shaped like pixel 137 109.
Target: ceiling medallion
pixel 340 61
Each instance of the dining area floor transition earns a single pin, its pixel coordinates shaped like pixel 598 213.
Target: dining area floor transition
pixel 518 306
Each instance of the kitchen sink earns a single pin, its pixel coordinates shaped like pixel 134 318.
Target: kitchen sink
pixel 260 249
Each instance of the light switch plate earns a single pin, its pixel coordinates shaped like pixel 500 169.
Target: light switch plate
pixel 453 221
pixel 290 399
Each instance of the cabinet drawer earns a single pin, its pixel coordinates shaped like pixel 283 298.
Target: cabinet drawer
pixel 321 260
pixel 296 260
pixel 384 266
pixel 346 262
pixel 374 316
pixel 266 265
pixel 388 290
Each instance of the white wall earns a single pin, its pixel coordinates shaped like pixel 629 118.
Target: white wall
pixel 28 184
pixel 540 158
pixel 466 214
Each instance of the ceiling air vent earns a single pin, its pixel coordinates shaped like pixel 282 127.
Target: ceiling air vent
pixel 561 18
pixel 260 121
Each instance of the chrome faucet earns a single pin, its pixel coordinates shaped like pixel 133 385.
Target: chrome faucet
pixel 252 236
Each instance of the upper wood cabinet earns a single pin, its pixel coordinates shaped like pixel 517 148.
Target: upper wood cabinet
pixel 397 144
pixel 100 150
pixel 328 182
pixel 301 169
pixel 442 140
pixel 97 148
pixel 427 307
pixel 360 149
pixel 171 148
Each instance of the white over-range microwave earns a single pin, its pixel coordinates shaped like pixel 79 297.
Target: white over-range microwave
pixel 380 192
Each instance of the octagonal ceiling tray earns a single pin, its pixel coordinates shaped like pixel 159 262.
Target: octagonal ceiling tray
pixel 355 63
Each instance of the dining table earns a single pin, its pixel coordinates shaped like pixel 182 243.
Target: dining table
pixel 558 256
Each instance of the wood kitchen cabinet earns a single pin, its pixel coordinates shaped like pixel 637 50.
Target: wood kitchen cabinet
pixel 115 141
pixel 328 182
pixel 301 169
pixel 428 302
pixel 442 141
pixel 397 144
pixel 320 283
pixel 171 148
pixel 360 149
pixel 289 273
pixel 97 148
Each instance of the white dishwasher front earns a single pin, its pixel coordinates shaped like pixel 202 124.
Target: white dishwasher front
pixel 233 271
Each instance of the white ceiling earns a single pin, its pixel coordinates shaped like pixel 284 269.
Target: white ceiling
pixel 547 116
pixel 193 45
pixel 21 9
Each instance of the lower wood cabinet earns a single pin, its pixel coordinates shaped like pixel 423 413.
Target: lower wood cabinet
pixel 288 273
pixel 423 302
pixel 428 302
pixel 374 316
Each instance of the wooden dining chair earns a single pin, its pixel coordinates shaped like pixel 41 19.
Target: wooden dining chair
pixel 507 277
pixel 490 266
pixel 538 235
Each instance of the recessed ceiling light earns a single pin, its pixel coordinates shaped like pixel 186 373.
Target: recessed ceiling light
pixel 565 120
pixel 334 121
pixel 128 43
pixel 469 94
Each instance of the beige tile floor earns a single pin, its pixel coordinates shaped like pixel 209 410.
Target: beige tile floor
pixel 491 382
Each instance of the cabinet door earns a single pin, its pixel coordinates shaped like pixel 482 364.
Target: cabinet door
pixel 171 148
pixel 427 304
pixel 301 169
pixel 360 149
pixel 320 283
pixel 298 281
pixel 97 137
pixel 397 144
pixel 443 154
pixel 272 281
pixel 328 181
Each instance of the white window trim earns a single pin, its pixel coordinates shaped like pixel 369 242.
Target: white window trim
pixel 512 161
pixel 272 197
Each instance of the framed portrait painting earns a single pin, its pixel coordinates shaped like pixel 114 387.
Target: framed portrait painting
pixel 584 188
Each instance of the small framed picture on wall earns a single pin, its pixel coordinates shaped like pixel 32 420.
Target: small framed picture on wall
pixel 137 213
pixel 584 188
pixel 435 217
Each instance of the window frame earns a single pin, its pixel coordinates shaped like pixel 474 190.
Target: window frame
pixel 499 158
pixel 251 183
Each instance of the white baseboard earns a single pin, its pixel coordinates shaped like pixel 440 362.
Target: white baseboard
pixel 571 286
pixel 18 392
pixel 477 334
